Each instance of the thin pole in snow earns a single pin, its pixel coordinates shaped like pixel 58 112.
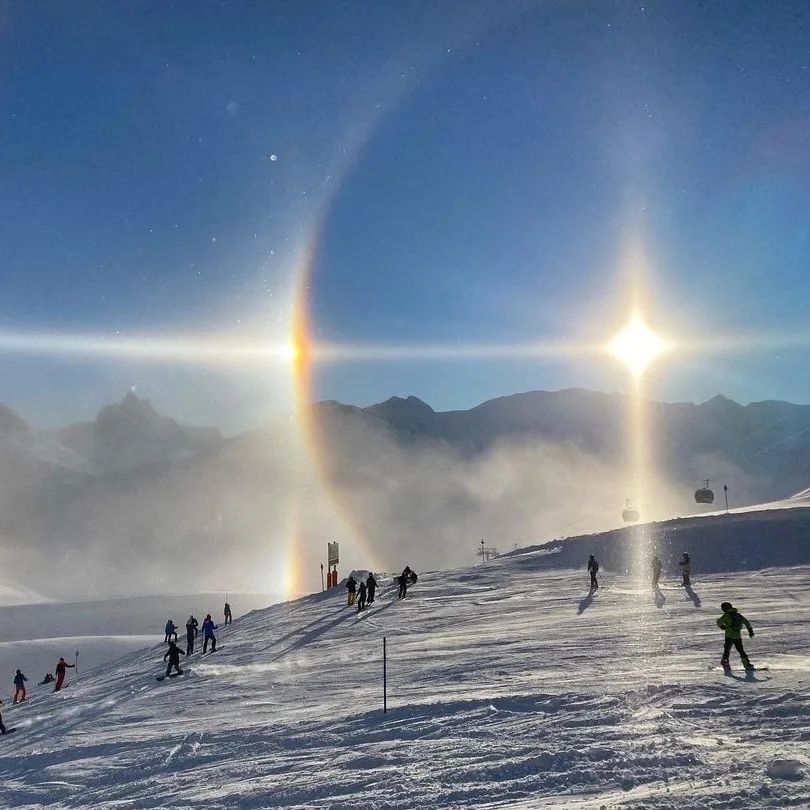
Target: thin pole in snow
pixel 385 678
pixel 322 587
pixel 76 663
pixel 725 490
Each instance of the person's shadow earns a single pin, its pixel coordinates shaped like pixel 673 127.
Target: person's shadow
pixel 690 594
pixel 585 603
pixel 658 596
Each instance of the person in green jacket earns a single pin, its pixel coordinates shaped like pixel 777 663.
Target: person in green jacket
pixel 732 623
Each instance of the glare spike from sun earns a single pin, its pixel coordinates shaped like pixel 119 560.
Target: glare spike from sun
pixel 637 346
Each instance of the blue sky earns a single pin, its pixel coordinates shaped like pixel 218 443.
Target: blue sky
pixel 472 172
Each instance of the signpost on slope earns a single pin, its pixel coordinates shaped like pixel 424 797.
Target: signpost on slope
pixel 332 560
pixel 385 678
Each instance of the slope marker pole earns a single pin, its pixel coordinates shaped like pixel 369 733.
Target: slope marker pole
pixel 385 677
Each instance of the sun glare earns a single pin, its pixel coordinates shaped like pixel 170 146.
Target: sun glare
pixel 637 345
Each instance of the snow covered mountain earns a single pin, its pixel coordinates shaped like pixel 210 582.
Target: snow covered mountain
pixel 509 685
pixel 133 492
pixel 131 434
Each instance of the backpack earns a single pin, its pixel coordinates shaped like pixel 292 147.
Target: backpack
pixel 736 621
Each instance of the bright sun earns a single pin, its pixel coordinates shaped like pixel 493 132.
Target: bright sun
pixel 637 345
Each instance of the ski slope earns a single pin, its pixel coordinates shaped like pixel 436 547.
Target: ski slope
pixel 508 686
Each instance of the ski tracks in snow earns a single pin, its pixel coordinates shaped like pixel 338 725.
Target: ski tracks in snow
pixel 501 694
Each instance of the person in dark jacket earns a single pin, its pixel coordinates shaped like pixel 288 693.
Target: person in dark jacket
pixel 656 570
pixel 371 587
pixel 208 628
pixel 171 630
pixel 593 570
pixel 191 634
pixel 351 587
pixel 61 667
pixel 47 679
pixel 2 727
pixel 732 622
pixel 403 581
pixel 686 570
pixel 228 616
pixel 173 654
pixel 361 597
pixel 19 687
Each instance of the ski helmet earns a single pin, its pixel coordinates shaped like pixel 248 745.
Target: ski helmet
pixel 724 606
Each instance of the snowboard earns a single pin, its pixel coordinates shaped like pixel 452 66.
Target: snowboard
pixel 173 675
pixel 9 731
pixel 729 670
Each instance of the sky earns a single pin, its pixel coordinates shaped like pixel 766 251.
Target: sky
pixel 457 173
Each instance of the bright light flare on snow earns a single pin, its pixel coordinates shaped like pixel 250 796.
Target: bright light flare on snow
pixel 637 346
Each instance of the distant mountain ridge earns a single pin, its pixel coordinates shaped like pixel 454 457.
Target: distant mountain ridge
pixel 134 490
pixel 131 433
pixel 770 436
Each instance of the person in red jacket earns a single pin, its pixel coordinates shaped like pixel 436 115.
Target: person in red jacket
pixel 61 667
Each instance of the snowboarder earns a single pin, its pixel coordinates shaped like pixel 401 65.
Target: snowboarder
pixel 686 570
pixel 191 634
pixel 171 630
pixel 351 587
pixel 61 668
pixel 361 597
pixel 208 627
pixel 732 623
pixel 228 617
pixel 19 687
pixel 593 570
pixel 2 727
pixel 173 654
pixel 656 570
pixel 371 586
pixel 47 679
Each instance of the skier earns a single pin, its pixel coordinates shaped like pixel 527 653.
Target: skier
pixel 173 654
pixel 351 587
pixel 686 570
pixel 171 630
pixel 361 597
pixel 228 617
pixel 191 634
pixel 403 581
pixel 2 727
pixel 656 570
pixel 61 668
pixel 732 623
pixel 208 627
pixel 19 684
pixel 47 679
pixel 593 569
pixel 371 586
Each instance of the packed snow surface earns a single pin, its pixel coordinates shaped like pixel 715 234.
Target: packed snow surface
pixel 509 685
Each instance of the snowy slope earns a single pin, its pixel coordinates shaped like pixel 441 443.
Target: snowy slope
pixel 508 686
pixel 34 636
pixel 775 534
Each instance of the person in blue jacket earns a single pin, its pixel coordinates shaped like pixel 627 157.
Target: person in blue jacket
pixel 208 628
pixel 171 630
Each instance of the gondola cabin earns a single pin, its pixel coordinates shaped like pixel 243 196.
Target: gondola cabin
pixel 704 494
pixel 629 515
